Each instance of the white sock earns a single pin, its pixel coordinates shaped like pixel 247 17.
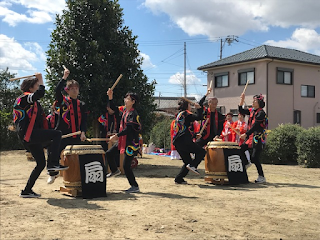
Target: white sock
pixel 247 155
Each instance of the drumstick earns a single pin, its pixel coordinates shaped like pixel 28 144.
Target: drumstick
pixel 13 79
pixel 64 67
pixel 203 127
pixel 97 139
pixel 245 87
pixel 236 131
pixel 116 82
pixel 187 100
pixel 71 134
pixel 210 86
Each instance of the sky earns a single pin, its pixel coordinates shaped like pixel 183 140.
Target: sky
pixel 163 28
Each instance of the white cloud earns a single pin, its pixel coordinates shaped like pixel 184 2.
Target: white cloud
pixel 146 63
pixel 37 11
pixel 302 39
pixel 16 57
pixel 216 18
pixel 179 77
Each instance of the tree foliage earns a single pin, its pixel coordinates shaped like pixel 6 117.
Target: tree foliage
pixel 160 133
pixel 92 42
pixel 9 91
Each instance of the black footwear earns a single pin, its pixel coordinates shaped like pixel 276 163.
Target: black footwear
pixel 114 174
pixel 30 194
pixel 181 182
pixel 193 169
pixel 57 168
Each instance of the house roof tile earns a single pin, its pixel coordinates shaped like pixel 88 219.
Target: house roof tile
pixel 266 51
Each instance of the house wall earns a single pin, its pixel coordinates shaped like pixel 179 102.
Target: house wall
pixel 281 100
pixel 284 99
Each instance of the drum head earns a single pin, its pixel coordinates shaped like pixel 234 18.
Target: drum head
pixel 83 149
pixel 219 144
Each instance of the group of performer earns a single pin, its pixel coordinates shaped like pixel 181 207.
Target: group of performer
pixel 215 126
pixel 122 125
pixel 69 115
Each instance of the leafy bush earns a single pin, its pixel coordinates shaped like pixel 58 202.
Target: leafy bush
pixel 281 145
pixel 160 134
pixel 308 146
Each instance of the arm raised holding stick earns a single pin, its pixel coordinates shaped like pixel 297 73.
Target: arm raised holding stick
pixel 18 78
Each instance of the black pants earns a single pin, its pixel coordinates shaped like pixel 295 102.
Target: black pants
pixel 255 155
pixel 39 139
pixel 112 157
pixel 184 148
pixel 65 142
pixel 112 154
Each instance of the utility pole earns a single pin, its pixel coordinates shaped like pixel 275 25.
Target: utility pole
pixel 229 40
pixel 185 74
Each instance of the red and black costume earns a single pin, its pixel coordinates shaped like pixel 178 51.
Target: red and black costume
pixel 183 142
pixel 255 134
pixel 128 142
pixel 214 126
pixel 72 117
pixel 109 123
pixel 33 131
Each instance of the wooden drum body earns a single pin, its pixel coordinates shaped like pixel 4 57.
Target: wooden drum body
pixel 70 158
pixel 215 167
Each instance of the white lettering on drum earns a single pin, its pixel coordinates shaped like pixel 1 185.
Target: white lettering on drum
pixel 235 163
pixel 94 172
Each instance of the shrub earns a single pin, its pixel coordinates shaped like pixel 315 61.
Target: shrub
pixel 281 145
pixel 308 146
pixel 160 134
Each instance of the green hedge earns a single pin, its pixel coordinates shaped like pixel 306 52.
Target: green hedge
pixel 281 147
pixel 309 147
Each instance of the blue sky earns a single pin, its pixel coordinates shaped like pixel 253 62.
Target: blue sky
pixel 162 27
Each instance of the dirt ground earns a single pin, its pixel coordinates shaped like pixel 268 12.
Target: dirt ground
pixel 287 207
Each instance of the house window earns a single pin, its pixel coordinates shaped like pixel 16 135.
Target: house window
pixel 307 91
pixel 297 117
pixel 284 76
pixel 221 80
pixel 245 75
pixel 318 117
pixel 221 109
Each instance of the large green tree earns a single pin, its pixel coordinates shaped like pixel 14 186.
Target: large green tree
pixel 92 42
pixel 9 91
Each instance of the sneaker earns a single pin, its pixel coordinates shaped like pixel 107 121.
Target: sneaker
pixel 133 189
pixel 193 169
pixel 57 168
pixel 248 165
pixel 260 179
pixel 114 174
pixel 180 182
pixel 52 178
pixel 30 194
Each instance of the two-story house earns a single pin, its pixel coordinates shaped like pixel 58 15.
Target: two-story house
pixel 289 80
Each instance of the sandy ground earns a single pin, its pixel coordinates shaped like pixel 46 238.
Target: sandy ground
pixel 287 207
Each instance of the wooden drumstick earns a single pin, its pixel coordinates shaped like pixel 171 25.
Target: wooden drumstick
pixel 210 86
pixel 203 127
pixel 97 139
pixel 245 88
pixel 187 100
pixel 71 134
pixel 64 67
pixel 13 79
pixel 116 82
pixel 236 131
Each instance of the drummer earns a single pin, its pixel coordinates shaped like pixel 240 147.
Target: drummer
pixel 182 139
pixel 72 115
pixel 255 133
pixel 215 123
